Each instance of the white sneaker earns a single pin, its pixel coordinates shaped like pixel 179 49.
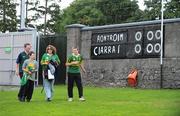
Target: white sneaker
pixel 81 99
pixel 70 99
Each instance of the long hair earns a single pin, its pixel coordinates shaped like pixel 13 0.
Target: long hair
pixel 51 47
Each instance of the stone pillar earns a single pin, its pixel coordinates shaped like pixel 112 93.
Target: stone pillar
pixel 73 36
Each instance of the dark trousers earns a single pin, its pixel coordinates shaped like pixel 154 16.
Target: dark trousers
pixel 77 78
pixel 22 87
pixel 29 88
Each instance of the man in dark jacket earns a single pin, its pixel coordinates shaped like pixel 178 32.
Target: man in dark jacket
pixel 19 72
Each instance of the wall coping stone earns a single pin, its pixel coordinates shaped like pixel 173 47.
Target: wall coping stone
pixel 166 21
pixel 75 26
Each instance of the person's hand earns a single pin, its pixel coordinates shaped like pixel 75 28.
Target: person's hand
pixel 56 64
pixel 46 63
pixel 29 72
pixel 17 72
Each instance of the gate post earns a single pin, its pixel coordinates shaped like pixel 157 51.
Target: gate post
pixel 73 36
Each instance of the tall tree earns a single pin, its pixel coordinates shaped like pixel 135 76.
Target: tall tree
pixel 52 10
pixel 100 12
pixel 80 11
pixel 43 14
pixel 153 9
pixel 8 19
pixel 32 11
pixel 173 9
pixel 119 11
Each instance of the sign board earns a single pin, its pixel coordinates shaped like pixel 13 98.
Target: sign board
pixel 136 42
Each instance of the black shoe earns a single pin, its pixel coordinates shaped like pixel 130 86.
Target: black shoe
pixel 48 99
pixel 28 100
pixel 22 99
pixel 19 98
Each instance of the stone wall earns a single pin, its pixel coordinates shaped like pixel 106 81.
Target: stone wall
pixel 114 72
pixel 171 73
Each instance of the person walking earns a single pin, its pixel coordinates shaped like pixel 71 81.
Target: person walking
pixel 74 63
pixel 19 72
pixel 49 62
pixel 30 66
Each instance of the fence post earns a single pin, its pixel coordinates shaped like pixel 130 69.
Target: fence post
pixel 73 36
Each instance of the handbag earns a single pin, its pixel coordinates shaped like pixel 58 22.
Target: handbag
pixel 51 68
pixel 50 75
pixel 23 80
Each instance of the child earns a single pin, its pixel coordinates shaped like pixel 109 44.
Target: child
pixel 29 67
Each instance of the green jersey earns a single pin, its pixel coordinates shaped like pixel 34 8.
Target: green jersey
pixel 74 68
pixel 46 58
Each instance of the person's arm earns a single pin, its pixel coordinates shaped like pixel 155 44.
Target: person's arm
pixel 36 66
pixel 27 71
pixel 17 69
pixel 82 67
pixel 81 62
pixel 69 62
pixel 17 64
pixel 43 62
pixel 55 60
pixel 72 63
pixel 58 60
pixel 24 67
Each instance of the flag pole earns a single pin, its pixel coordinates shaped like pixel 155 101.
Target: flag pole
pixel 23 11
pixel 161 56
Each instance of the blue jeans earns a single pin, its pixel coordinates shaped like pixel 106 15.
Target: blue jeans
pixel 48 88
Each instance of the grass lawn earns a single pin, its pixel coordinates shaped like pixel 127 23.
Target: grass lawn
pixel 99 102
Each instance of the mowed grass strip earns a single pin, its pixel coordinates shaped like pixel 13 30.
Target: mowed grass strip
pixel 99 102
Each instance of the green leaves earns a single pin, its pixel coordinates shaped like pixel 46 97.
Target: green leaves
pixel 8 19
pixel 87 12
pixel 100 12
pixel 153 9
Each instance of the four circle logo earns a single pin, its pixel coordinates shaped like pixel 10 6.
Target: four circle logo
pixel 152 37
